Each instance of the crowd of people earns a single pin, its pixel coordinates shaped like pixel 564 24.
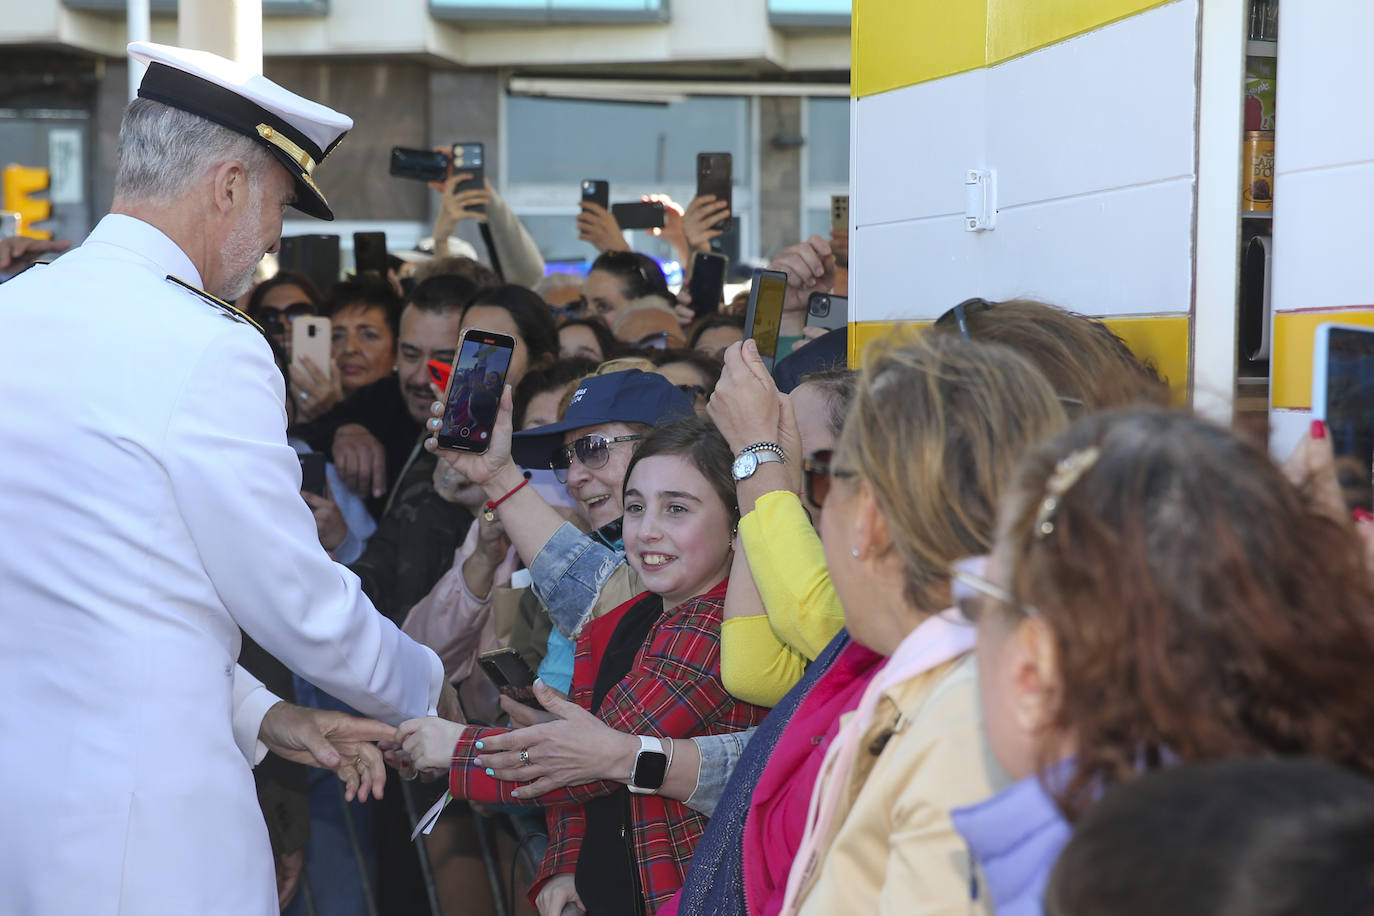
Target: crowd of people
pixel 981 624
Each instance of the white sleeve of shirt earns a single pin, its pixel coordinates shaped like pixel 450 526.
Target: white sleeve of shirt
pixel 252 699
pixel 237 486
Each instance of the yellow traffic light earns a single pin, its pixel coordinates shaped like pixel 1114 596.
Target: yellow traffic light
pixel 20 182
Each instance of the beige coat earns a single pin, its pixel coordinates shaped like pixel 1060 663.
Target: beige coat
pixel 895 849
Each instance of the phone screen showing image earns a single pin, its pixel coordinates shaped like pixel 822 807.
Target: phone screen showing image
pixel 1350 411
pixel 474 393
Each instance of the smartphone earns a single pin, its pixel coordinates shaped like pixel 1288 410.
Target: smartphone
pixel 839 220
pixel 439 372
pixel 639 215
pixel 826 311
pixel 707 286
pixel 310 337
pixel 312 473
pixel 511 675
pixel 470 157
pixel 714 176
pixel 1343 398
pixel 727 243
pixel 316 256
pixel 418 164
pixel 763 319
pixel 597 191
pixel 474 390
pixel 369 253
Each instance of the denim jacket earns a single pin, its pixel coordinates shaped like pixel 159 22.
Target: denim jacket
pixel 571 569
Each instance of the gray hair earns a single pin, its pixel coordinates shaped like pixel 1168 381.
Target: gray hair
pixel 163 150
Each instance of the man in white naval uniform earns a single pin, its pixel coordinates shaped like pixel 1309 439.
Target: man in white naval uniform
pixel 150 507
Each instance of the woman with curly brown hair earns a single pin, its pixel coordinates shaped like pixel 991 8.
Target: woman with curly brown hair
pixel 1158 592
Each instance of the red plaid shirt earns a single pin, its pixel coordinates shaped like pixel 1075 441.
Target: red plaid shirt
pixel 673 690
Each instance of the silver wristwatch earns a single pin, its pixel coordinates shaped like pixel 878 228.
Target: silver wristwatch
pixel 750 458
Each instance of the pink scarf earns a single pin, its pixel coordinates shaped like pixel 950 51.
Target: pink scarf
pixel 938 639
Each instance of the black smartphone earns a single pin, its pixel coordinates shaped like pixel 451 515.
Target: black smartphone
pixel 511 675
pixel 826 311
pixel 369 253
pixel 639 215
pixel 418 164
pixel 474 390
pixel 316 256
pixel 707 286
pixel 312 473
pixel 1343 398
pixel 597 191
pixel 727 243
pixel 763 319
pixel 470 157
pixel 714 176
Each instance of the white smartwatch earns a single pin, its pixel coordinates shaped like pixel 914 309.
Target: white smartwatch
pixel 651 767
pixel 750 458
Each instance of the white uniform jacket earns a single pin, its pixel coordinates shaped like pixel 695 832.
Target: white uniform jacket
pixel 149 508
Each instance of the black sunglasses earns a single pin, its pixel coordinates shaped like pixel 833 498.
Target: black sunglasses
pixel 817 472
pixel 692 391
pixel 593 451
pixel 959 315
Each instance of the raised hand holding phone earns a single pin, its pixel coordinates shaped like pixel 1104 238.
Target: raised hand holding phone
pixel 597 227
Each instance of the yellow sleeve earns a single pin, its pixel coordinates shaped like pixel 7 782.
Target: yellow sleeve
pixel 755 666
pixel 788 564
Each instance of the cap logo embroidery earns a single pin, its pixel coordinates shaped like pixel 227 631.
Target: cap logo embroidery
pixel 577 396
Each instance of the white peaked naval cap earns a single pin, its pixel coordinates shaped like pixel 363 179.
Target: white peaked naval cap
pixel 297 131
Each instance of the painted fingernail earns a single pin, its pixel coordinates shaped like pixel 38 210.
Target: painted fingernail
pixel 1362 515
pixel 514 793
pixel 1318 429
pixel 480 746
pixel 490 771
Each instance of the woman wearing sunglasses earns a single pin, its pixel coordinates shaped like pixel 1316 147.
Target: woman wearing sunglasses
pixel 1158 592
pixel 651 667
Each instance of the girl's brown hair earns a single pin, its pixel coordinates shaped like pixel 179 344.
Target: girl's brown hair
pixel 1201 607
pixel 936 428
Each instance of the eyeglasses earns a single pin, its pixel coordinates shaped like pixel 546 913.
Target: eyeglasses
pixel 656 341
pixel 959 315
pixel 692 391
pixel 969 584
pixel 276 321
pixel 592 451
pixel 816 471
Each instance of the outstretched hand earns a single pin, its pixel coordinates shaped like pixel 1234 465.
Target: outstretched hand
pixel 330 740
pixel 428 743
pixel 573 749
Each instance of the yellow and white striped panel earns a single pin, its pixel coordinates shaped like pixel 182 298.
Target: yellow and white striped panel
pixel 1085 110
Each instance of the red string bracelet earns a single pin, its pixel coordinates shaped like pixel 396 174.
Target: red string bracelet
pixel 489 513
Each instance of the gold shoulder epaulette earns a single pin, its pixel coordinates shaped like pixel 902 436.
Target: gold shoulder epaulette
pixel 228 308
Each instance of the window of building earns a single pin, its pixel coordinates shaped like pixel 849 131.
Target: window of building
pixel 809 12
pixel 552 144
pixel 826 125
pixel 552 10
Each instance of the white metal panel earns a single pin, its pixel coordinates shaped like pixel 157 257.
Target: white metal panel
pixel 1092 141
pixel 1109 109
pixel 912 146
pixel 1125 251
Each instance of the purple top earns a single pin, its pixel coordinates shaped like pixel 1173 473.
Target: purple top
pixel 1016 837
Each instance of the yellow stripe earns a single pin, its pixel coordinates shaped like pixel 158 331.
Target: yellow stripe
pixel 900 43
pixel 1294 334
pixel 286 145
pixel 1160 340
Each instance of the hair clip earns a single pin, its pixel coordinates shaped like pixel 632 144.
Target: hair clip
pixel 1067 472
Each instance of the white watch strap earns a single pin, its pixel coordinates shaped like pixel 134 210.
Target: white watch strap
pixel 650 743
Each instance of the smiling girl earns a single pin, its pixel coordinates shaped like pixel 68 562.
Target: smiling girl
pixel 651 667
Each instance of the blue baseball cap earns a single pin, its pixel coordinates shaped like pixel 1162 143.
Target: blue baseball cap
pixel 629 396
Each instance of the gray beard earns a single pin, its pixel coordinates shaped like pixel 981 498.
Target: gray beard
pixel 238 284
